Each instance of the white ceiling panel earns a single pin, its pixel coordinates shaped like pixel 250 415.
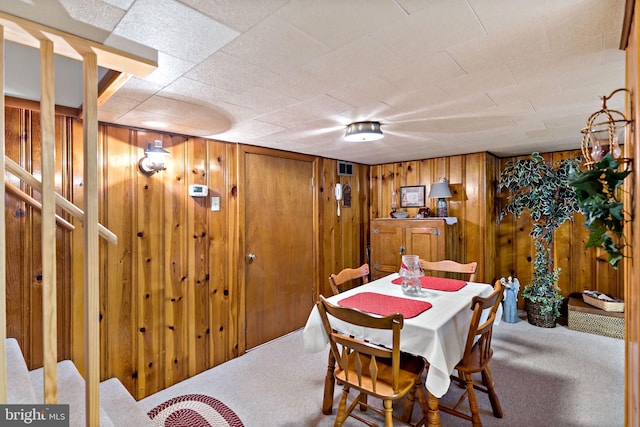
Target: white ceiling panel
pixel 338 23
pixel 443 77
pixel 175 29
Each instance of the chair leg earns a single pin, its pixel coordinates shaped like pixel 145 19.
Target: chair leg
pixel 422 399
pixel 487 380
pixel 329 384
pixel 473 402
pixel 342 408
pixel 388 413
pixel 411 398
pixel 363 405
pixel 410 401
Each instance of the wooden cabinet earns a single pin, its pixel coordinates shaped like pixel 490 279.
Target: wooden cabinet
pixel 432 239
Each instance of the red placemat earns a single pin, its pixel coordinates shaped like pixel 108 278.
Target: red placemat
pixel 437 283
pixel 385 305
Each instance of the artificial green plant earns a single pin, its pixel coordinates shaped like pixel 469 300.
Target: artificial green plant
pixel 543 190
pixel 596 191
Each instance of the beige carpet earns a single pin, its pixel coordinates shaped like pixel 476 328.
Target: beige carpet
pixel 544 377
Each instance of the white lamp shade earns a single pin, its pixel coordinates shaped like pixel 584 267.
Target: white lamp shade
pixel 439 190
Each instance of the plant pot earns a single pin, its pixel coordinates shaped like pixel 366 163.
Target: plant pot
pixel 546 320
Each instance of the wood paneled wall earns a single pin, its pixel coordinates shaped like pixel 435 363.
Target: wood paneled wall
pixel 580 268
pixel 632 230
pixel 344 237
pixel 500 249
pixel 472 179
pixel 23 229
pixel 169 297
pixel 167 303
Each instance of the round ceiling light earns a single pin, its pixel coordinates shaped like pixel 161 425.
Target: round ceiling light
pixel 363 131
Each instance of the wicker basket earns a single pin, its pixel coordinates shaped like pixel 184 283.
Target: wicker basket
pixel 546 320
pixel 586 318
pixel 614 306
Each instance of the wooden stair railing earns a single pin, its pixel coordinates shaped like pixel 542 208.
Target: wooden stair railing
pixel 92 54
pixel 61 202
pixel 36 204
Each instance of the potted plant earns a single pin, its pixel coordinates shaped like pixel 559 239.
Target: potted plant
pixel 544 191
pixel 596 191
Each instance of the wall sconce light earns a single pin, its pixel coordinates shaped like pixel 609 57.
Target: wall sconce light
pixel 363 131
pixel 153 160
pixel 440 190
pixel 603 132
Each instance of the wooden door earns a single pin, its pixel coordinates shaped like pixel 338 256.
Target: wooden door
pixel 387 246
pixel 279 246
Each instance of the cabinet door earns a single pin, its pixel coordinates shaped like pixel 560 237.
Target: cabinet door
pixel 386 249
pixel 426 241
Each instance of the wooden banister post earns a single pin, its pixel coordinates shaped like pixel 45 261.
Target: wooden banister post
pixel 49 299
pixel 91 239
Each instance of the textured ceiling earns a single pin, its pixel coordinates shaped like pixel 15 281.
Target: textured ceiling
pixel 444 77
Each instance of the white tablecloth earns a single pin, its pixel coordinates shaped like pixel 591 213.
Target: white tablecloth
pixel 437 334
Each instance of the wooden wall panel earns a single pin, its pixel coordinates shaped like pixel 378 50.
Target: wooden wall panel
pixel 327 205
pixel 18 231
pixel 119 290
pixel 177 293
pixel 220 159
pixel 149 255
pixel 632 229
pixel 466 174
pixel 344 237
pixel 23 222
pixel 77 250
pixel 468 183
pixel 197 254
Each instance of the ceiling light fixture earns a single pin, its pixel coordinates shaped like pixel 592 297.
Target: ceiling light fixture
pixel 153 160
pixel 363 131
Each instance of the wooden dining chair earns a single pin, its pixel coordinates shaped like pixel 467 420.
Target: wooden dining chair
pixel 476 357
pixel 468 270
pixel 372 370
pixel 347 276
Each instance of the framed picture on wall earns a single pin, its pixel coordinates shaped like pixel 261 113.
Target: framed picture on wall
pixel 412 196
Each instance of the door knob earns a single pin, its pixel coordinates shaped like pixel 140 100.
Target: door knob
pixel 251 258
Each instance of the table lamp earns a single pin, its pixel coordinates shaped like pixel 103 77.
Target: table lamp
pixel 440 190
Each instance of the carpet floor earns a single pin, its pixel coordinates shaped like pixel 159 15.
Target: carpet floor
pixel 544 377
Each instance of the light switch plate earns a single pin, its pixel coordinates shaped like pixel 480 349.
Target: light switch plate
pixel 215 203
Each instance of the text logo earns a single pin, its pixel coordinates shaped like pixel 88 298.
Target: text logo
pixel 34 415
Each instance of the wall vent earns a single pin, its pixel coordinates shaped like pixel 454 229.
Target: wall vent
pixel 345 168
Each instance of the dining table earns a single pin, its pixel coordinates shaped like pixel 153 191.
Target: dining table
pixel 436 324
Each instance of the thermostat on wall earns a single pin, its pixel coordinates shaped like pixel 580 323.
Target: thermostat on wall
pixel 198 190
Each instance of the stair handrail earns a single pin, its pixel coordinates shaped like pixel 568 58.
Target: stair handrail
pixel 17 170
pixel 36 204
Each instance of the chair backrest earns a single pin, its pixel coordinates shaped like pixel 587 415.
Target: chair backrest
pixel 371 354
pixel 450 266
pixel 347 275
pixel 480 334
